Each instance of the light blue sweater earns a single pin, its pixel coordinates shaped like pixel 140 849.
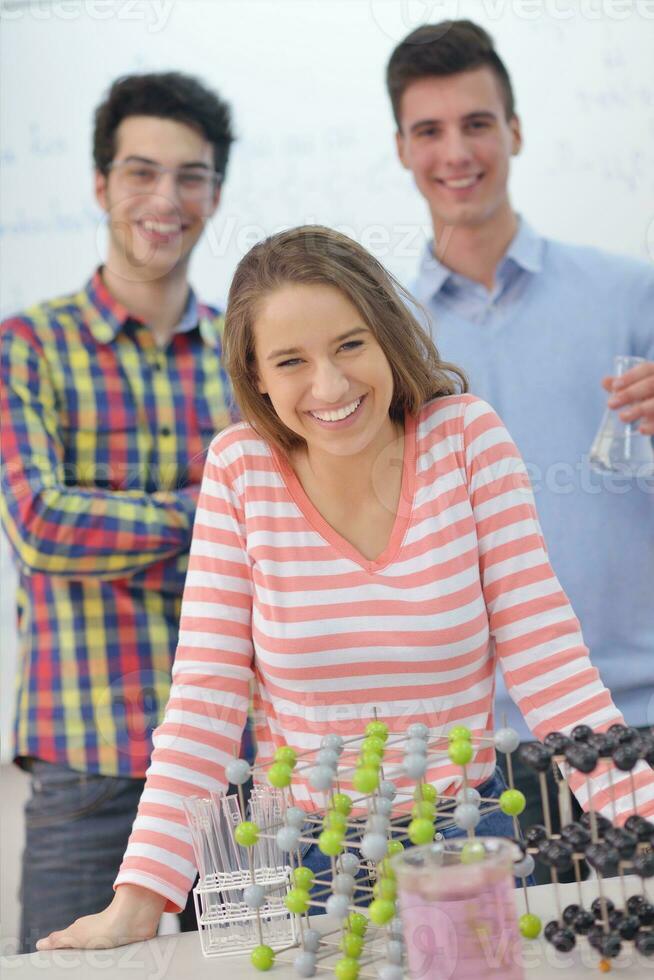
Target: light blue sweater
pixel 536 348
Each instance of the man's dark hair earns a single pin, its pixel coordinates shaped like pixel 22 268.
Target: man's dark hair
pixel 166 95
pixel 447 48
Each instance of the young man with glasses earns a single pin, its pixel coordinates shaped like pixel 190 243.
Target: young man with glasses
pixel 536 325
pixel 109 398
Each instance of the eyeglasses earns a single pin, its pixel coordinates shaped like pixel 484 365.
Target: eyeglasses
pixel 193 184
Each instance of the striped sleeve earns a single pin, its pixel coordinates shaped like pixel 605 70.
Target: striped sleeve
pixel 56 528
pixel 537 637
pixel 208 703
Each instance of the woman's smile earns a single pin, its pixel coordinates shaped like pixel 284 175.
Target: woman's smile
pixel 338 418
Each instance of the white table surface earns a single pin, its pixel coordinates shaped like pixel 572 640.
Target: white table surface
pixel 179 957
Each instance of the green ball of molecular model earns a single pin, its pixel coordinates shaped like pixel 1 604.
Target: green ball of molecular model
pixel 394 847
pixel 426 792
pixel 357 923
pixel 335 821
pixel 346 969
pixel 385 869
pixel 287 755
pixel 303 878
pixel 342 803
pixel 381 911
pixel 330 842
pixel 472 851
pixel 365 779
pixel 280 775
pixel 460 751
pixel 352 945
pixel 378 729
pixel 372 743
pixel 530 925
pixel 385 888
pixel 246 833
pixel 423 809
pixel 512 802
pixel 262 957
pixel 459 731
pixel 297 900
pixel 421 831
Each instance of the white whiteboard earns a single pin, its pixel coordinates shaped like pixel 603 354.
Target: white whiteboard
pixel 315 130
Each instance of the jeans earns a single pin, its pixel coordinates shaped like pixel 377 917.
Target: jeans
pixel 495 824
pixel 76 830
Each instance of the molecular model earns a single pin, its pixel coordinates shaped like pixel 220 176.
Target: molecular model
pixel 244 897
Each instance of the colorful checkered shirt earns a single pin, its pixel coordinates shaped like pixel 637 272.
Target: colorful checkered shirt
pixel 104 438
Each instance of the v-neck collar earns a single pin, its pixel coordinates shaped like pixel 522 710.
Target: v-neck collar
pixel 340 544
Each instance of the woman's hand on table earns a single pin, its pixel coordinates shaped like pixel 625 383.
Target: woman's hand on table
pixel 132 917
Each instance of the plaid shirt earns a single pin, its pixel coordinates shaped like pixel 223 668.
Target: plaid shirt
pixel 104 437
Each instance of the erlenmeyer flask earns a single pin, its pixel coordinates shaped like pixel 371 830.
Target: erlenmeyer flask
pixel 618 446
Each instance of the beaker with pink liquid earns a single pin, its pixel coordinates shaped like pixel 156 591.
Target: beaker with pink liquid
pixel 457 905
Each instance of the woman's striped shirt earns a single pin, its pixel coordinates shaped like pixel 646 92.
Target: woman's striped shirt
pixel 275 597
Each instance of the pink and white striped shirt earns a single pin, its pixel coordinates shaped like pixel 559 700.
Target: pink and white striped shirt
pixel 275 597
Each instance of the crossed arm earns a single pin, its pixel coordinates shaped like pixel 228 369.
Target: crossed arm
pixel 72 531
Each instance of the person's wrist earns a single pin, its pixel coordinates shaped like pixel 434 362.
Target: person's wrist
pixel 142 904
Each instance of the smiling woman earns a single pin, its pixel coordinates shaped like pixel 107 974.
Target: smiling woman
pixel 366 540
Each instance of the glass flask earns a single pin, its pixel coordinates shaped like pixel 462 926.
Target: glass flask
pixel 618 446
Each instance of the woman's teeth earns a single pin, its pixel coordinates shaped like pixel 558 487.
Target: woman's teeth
pixel 342 413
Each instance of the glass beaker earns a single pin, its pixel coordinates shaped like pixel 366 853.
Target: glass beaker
pixel 618 446
pixel 457 905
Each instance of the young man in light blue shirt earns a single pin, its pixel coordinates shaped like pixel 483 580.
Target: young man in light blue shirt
pixel 536 325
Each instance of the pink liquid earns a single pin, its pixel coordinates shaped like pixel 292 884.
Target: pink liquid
pixel 461 924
